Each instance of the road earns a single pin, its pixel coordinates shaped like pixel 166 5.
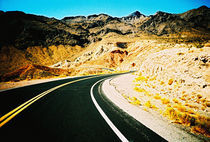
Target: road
pixel 66 113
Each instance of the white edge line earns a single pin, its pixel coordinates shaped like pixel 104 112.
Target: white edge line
pixel 108 121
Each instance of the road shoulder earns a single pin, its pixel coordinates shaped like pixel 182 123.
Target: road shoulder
pixel 152 120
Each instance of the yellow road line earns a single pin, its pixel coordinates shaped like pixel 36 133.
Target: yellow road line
pixel 7 117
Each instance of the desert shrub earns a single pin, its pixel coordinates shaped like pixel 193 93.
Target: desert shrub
pixel 170 113
pixel 139 89
pixel 149 105
pixel 165 101
pixel 175 100
pixel 201 130
pixel 208 104
pixel 183 98
pixel 133 64
pixel 175 106
pixel 126 97
pixel 153 78
pixel 181 108
pixel 180 53
pixel 132 98
pixel 170 81
pixel 198 45
pixel 157 96
pixel 136 102
pixel 199 96
pixel 190 111
pixel 141 78
pixel 162 82
pixel 147 93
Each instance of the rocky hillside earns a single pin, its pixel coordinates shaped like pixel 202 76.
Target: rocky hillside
pixel 170 53
pixel 173 82
pixel 194 21
pixel 12 58
pixel 24 30
pixel 34 72
pixel 96 40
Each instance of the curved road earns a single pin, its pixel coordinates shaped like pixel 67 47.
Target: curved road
pixel 64 110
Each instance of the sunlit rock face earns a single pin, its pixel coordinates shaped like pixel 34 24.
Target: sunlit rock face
pixel 78 41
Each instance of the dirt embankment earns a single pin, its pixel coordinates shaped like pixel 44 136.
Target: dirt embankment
pixel 175 83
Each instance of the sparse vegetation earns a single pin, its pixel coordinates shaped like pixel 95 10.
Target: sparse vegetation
pixel 172 96
pixel 171 57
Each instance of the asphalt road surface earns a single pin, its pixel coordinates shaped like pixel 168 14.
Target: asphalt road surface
pixel 67 113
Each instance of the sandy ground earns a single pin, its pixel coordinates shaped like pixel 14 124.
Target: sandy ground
pixel 11 85
pixel 116 88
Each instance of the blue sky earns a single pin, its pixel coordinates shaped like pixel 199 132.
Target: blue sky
pixel 118 8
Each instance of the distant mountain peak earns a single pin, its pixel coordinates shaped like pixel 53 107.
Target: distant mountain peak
pixel 203 7
pixel 161 13
pixel 135 14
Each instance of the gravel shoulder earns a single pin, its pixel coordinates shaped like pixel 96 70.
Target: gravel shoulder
pixel 116 88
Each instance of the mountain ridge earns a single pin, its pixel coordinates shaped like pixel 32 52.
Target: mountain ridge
pixel 168 52
pixel 47 41
pixel 18 27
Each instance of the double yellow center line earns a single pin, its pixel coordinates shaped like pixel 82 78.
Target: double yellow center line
pixel 7 117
